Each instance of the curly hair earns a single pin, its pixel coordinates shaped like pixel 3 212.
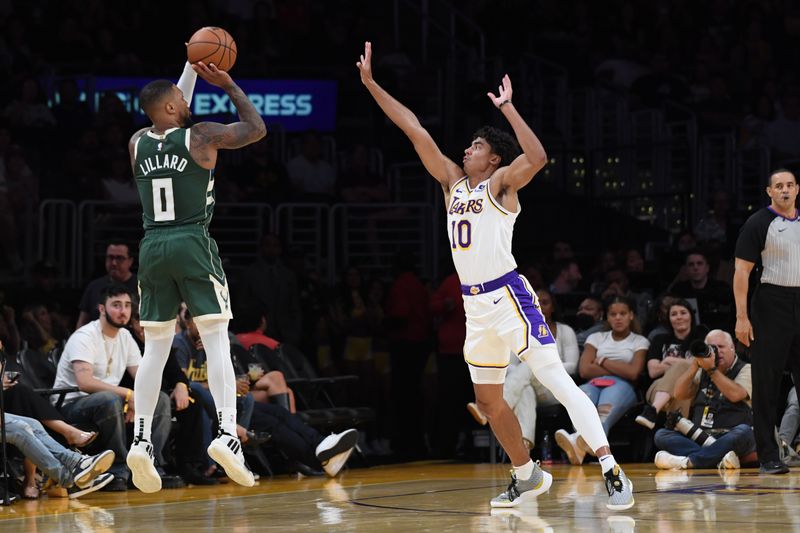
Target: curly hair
pixel 153 93
pixel 500 142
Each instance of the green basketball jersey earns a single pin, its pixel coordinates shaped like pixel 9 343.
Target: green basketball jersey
pixel 174 190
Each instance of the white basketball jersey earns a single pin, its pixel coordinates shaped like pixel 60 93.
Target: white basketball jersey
pixel 480 232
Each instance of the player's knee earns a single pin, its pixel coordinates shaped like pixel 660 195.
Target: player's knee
pixel 210 326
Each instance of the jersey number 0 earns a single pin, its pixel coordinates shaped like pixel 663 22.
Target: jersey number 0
pixel 163 200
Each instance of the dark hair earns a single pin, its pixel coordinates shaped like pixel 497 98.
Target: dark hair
pixel 779 171
pixel 115 289
pixel 500 142
pixel 152 93
pixel 635 326
pixel 682 303
pixel 696 251
pixel 119 241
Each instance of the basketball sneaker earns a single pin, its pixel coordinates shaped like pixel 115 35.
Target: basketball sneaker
pixel 96 484
pixel 730 461
pixel 476 413
pixel 335 449
pixel 569 443
pixel 91 466
pixel 519 491
pixel 140 461
pixel 667 461
pixel 620 489
pixel 227 451
pixel 648 417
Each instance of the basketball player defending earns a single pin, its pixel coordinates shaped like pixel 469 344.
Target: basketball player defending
pixel 173 164
pixel 502 310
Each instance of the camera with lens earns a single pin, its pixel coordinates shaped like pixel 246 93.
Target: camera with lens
pixel 685 426
pixel 699 348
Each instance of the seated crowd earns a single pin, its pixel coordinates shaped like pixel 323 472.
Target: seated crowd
pixel 631 356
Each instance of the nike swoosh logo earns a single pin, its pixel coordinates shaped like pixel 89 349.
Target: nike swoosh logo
pixel 782 229
pixel 495 301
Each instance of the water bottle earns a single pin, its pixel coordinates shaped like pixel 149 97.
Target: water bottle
pixel 547 449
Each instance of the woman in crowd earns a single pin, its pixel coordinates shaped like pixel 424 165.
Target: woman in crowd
pixel 611 362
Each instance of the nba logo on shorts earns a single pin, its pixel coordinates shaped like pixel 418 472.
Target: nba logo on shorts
pixel 543 331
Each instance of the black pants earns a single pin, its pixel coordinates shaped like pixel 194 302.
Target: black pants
pixel 289 433
pixel 775 315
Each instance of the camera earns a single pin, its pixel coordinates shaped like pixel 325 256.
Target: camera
pixel 687 427
pixel 701 349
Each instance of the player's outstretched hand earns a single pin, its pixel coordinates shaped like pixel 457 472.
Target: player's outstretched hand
pixel 504 92
pixel 212 74
pixel 365 63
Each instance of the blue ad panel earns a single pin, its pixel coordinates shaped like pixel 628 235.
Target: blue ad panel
pixel 296 104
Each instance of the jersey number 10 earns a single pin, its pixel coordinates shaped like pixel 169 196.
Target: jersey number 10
pixel 163 200
pixel 460 235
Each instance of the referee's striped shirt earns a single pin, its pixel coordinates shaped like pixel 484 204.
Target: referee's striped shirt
pixel 772 241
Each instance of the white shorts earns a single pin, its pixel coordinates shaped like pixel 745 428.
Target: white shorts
pixel 500 322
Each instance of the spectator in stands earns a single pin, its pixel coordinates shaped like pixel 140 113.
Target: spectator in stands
pixel 264 386
pixel 28 113
pixel 79 474
pixel 454 384
pixel 117 183
pixel 358 183
pixel 634 262
pixel 605 262
pixel 720 390
pixel 716 224
pixel 562 250
pixel 46 288
pixel 783 134
pixel 71 114
pixel 118 263
pixel 311 175
pixel 667 359
pixel 95 359
pixel 589 319
pixel 39 330
pixel 521 390
pixel 9 333
pixel 714 297
pixel 263 177
pixel 408 326
pixel 618 284
pixel 751 131
pixel 611 362
pixel 313 296
pixel 271 285
pixel 790 423
pixel 660 323
pixel 567 276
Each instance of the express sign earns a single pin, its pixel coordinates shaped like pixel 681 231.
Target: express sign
pixel 296 104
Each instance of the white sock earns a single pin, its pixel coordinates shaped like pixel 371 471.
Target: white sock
pixel 607 462
pixel 142 426
pixel 582 411
pixel 525 471
pixel 157 343
pixel 221 377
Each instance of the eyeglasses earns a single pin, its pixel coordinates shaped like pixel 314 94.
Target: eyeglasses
pixel 117 258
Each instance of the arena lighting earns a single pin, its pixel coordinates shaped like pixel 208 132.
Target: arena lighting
pixel 298 105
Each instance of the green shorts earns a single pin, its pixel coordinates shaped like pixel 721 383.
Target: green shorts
pixel 181 264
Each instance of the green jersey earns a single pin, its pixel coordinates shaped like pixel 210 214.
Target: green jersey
pixel 174 190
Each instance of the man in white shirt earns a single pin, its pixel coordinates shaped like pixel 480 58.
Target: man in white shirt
pixel 95 360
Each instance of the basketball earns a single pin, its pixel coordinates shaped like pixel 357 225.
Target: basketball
pixel 212 45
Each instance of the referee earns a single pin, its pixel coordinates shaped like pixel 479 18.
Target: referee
pixel 770 238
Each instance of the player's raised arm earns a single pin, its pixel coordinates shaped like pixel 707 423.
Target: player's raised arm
pixel 250 127
pixel 533 158
pixel 436 163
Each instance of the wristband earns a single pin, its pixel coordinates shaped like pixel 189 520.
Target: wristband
pixel 182 383
pixel 128 395
pixel 504 102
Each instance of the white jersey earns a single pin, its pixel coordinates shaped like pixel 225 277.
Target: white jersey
pixel 480 232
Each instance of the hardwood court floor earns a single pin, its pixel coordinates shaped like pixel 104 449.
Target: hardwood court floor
pixel 431 497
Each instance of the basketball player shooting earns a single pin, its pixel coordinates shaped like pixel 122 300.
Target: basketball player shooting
pixel 173 164
pixel 501 308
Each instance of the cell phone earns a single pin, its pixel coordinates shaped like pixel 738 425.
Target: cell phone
pixel 13 376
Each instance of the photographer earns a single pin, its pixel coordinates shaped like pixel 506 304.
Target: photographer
pixel 721 414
